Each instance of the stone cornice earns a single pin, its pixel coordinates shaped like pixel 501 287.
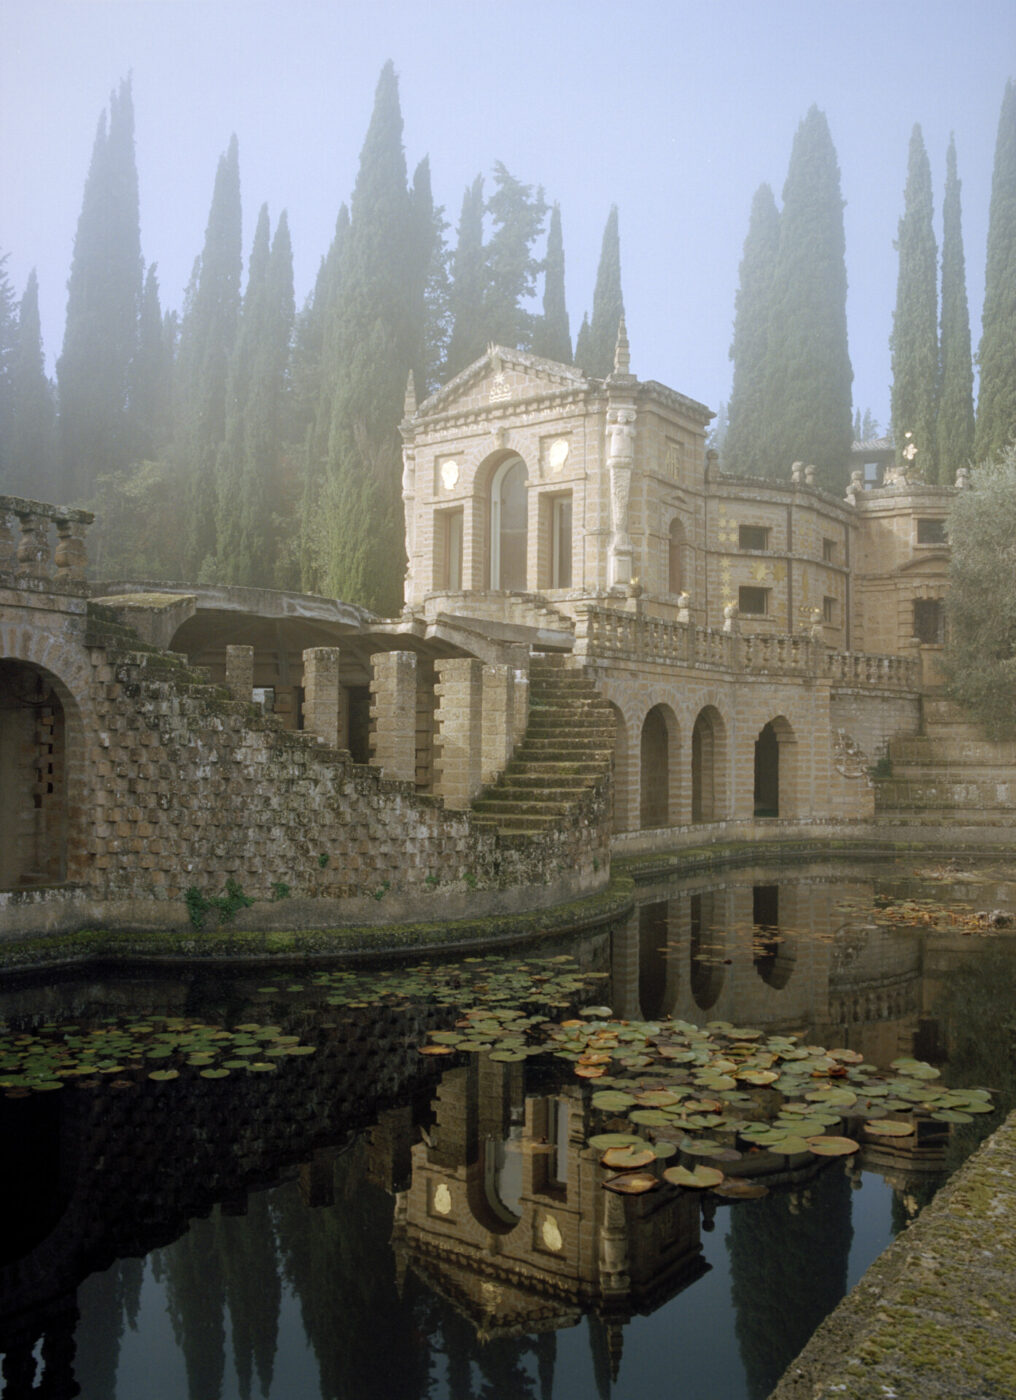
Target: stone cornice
pixel 653 389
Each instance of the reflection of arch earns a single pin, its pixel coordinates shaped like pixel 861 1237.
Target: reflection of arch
pixel 707 970
pixel 775 779
pixel 675 557
pixel 509 510
pixel 653 933
pixel 40 730
pixel 656 759
pixel 708 765
pixel 501 1165
pixel 622 776
pixel 773 953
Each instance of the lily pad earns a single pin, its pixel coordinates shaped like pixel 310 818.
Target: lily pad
pixel 627 1159
pixel 833 1146
pixel 699 1177
pixel 889 1127
pixel 631 1183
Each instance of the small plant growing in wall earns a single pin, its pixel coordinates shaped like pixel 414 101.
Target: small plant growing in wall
pixel 470 879
pixel 323 860
pixel 280 890
pixel 432 881
pixel 225 906
pixel 383 889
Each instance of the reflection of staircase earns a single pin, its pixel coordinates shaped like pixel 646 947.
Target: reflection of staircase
pixel 949 773
pixel 567 747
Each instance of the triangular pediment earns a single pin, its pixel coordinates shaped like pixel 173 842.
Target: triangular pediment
pixel 503 376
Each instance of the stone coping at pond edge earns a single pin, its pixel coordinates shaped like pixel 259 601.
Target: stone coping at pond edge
pixel 934 1318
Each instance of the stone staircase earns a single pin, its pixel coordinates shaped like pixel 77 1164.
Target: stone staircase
pixel 566 751
pixel 948 774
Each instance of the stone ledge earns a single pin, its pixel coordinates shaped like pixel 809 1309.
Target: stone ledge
pixel 934 1318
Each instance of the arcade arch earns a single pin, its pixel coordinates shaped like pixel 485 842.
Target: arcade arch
pixel 658 765
pixel 708 766
pixel 775 776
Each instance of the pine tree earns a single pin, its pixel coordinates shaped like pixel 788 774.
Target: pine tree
pixel 808 385
pixel 517 215
pixel 33 439
pixel 552 337
pixel 207 336
pixel 248 472
pixel 915 330
pixel 103 299
pixel 956 392
pixel 469 279
pixel 742 450
pixel 996 399
pixel 608 306
pixel 376 340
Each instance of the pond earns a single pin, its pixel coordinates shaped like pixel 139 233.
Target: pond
pixel 256 1184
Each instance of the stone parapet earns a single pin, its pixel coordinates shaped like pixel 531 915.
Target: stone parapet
pixel 458 768
pixel 31 558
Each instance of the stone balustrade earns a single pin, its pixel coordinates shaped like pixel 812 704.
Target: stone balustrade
pixel 607 634
pixel 29 555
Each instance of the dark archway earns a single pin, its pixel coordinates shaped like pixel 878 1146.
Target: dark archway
pixel 767 773
pixel 708 754
pixel 654 788
pixel 33 777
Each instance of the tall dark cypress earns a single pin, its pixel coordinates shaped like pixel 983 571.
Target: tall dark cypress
pixel 207 336
pixel 8 348
pixel 469 280
pixel 808 398
pixel 552 336
pixel 914 341
pixel 608 306
pixel 429 289
pixel 33 440
pixel 996 398
pixel 151 376
pixel 376 336
pixel 742 448
pixel 956 392
pixel 103 299
pixel 517 214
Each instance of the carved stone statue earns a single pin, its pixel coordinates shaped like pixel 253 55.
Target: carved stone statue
pixel 683 615
pixel 731 612
pixel 620 436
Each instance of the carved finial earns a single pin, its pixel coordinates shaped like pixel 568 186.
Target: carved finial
pixel 622 351
pixel 409 408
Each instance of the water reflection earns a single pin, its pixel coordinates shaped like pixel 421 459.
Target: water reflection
pixel 361 1224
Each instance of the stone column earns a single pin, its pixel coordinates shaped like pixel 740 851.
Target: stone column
pixel 324 711
pixel 497 706
pixel 459 728
pixel 518 659
pixel 393 714
pixel 240 672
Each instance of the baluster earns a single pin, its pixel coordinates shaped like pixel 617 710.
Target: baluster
pixel 33 547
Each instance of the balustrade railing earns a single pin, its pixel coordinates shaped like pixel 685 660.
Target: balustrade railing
pixel 30 555
pixel 610 634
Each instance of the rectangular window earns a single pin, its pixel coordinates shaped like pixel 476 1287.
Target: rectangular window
pixel 753 537
pixel 929 620
pixel 561 542
pixel 829 610
pixel 753 602
pixel 451 549
pixel 829 551
pixel 873 473
pixel 931 531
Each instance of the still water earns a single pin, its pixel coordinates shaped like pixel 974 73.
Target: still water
pixel 364 1221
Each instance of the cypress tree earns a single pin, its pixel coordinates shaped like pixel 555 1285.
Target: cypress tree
pixel 742 449
pixel 103 298
pixel 8 347
pixel 517 216
pixel 376 339
pixel 915 330
pixel 608 306
pixel 207 336
pixel 429 292
pixel 467 341
pixel 552 338
pixel 32 419
pixel 996 399
pixel 808 395
pixel 582 344
pixel 956 393
pixel 151 375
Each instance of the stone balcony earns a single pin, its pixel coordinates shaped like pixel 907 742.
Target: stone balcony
pixel 30 557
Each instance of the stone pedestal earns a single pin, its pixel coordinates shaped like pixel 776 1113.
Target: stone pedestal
pixel 459 728
pixel 240 672
pixel 393 713
pixel 324 709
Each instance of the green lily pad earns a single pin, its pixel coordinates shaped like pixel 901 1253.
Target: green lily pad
pixel 699 1177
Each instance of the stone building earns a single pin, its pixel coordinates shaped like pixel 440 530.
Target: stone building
pixel 606 644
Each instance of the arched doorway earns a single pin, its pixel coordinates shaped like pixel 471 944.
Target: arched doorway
pixel 509 512
pixel 767 773
pixel 33 777
pixel 654 803
pixel 708 752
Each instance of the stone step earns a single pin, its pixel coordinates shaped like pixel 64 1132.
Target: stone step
pixel 532 750
pixel 537 806
pixel 514 781
pixel 514 824
pixel 584 769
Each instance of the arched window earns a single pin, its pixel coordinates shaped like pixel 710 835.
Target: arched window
pixel 509 509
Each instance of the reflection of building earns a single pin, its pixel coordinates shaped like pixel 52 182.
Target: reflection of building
pixel 507 1217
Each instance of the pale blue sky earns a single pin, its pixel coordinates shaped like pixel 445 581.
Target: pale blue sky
pixel 675 111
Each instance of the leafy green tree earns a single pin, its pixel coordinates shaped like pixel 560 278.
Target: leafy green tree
pixel 914 341
pixel 103 299
pixel 743 448
pixel 597 357
pixel 996 398
pixel 207 335
pixel 376 342
pixel 979 660
pixel 517 214
pixel 552 336
pixel 956 390
pixel 808 395
pixel 33 439
pixel 467 341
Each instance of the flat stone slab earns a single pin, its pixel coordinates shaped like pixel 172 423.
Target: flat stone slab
pixel 934 1318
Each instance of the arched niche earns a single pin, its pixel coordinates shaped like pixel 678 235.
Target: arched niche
pixel 708 766
pixel 775 778
pixel 36 716
pixel 658 768
pixel 509 525
pixel 675 557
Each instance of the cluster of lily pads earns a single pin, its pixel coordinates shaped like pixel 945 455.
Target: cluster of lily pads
pixel 121 1052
